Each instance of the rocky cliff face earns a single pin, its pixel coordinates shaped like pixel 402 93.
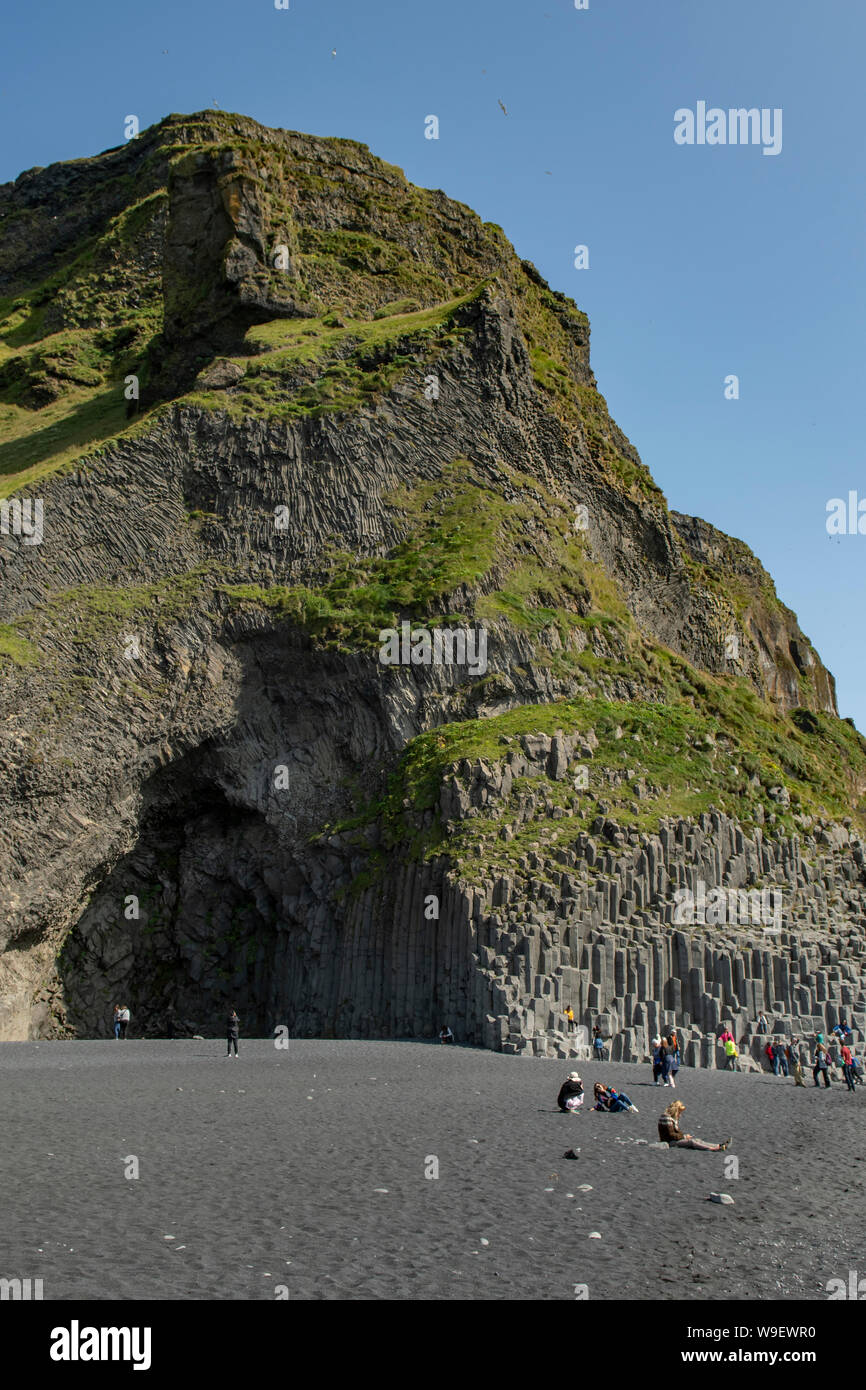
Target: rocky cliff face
pixel 273 400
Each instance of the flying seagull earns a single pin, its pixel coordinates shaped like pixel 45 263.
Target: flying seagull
pixel 502 104
pixel 333 52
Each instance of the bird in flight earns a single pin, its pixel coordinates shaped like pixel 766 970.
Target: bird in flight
pixel 504 108
pixel 333 52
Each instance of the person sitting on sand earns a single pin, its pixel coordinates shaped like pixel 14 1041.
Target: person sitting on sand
pixel 600 1096
pixel 609 1098
pixel 671 1134
pixel 445 1034
pixel 570 1096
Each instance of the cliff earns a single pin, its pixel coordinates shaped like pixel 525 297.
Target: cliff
pixel 272 400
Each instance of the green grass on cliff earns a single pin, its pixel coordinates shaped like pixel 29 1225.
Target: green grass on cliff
pixel 68 342
pixel 519 560
pixel 15 648
pixel 383 273
pixel 332 364
pixel 726 754
pixel 93 616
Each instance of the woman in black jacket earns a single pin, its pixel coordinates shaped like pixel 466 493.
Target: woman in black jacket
pixel 568 1090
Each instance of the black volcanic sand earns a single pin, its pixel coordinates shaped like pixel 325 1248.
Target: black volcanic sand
pixel 266 1171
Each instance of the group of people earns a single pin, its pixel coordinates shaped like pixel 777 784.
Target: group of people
pixel 597 1034
pixel 823 1060
pixel 795 1057
pixel 666 1059
pixel 121 1020
pixel 571 1096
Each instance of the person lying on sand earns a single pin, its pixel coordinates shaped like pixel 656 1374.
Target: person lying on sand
pixel 671 1134
pixel 570 1096
pixel 609 1098
pixel 619 1100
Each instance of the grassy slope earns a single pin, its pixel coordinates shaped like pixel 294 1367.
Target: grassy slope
pixel 724 752
pixel 378 310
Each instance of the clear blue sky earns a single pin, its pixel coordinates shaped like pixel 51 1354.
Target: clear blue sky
pixel 704 261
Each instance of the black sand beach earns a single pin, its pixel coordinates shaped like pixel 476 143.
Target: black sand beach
pixel 305 1168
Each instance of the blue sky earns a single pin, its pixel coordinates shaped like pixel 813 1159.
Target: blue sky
pixel 704 260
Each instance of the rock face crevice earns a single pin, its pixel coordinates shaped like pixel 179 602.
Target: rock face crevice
pixel 168 647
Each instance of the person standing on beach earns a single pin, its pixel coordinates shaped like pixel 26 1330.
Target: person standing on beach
pixel 674 1045
pixel 731 1055
pixel 822 1062
pixel 671 1134
pixel 124 1021
pixel 598 1043
pixel 116 1022
pixel 668 1075
pixel 848 1067
pixel 233 1027
pixel 795 1057
pixel 657 1064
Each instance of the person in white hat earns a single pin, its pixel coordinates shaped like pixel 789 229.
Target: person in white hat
pixel 570 1096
